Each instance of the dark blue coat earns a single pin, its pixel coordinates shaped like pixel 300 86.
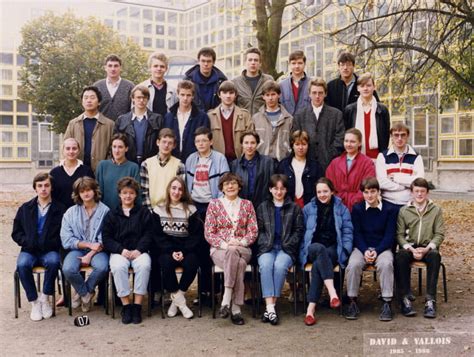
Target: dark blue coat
pixel 206 95
pixel 197 119
pixel 311 173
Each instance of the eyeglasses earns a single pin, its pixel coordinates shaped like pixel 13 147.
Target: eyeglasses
pixel 399 135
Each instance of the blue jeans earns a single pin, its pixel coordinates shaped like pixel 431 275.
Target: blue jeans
pixel 72 267
pixel 273 266
pixel 51 261
pixel 324 259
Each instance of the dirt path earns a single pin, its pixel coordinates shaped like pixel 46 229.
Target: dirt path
pixel 450 334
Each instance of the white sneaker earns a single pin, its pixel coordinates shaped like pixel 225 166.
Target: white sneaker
pixel 46 308
pixel 76 300
pixel 36 314
pixel 172 310
pixel 180 301
pixel 87 302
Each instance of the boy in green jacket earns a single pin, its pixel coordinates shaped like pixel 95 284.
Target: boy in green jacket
pixel 420 232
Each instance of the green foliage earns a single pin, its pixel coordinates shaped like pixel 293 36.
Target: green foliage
pixel 63 54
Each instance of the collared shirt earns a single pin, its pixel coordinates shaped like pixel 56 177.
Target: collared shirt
pixel 94 117
pixel 379 206
pixel 350 161
pixel 139 118
pixel 232 209
pixel 226 113
pixel 86 222
pixel 350 86
pixel 112 87
pixel 317 110
pixel 42 210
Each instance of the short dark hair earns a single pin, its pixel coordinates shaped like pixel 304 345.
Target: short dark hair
pixel 369 183
pixel 251 133
pixel 318 82
pixel 420 182
pixel 113 58
pixel 42 176
pixel 227 86
pixel 296 55
pixel 275 178
pixel 94 89
pixel 271 86
pixel 203 130
pixel 399 126
pixel 120 136
pixel 207 52
pixel 253 50
pixel 82 184
pixel 166 132
pixel 128 182
pixel 142 89
pixel 230 176
pixel 185 84
pixel 327 182
pixel 346 57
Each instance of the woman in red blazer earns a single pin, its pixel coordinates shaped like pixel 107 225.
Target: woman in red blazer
pixel 348 170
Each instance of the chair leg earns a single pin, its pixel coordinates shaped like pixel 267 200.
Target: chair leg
pixel 213 292
pixel 295 291
pixel 341 287
pixel 253 293
pixel 69 297
pixel 38 282
pixel 258 289
pixel 445 285
pixel 150 297
pixel 162 295
pixel 16 292
pixel 199 292
pixel 420 278
pixel 114 293
pixel 54 297
pixel 106 297
pixel 304 290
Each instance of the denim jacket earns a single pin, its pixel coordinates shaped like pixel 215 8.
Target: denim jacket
pixel 73 231
pixel 344 230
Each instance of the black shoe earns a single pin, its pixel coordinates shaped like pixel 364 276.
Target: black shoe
pixel 273 318
pixel 237 319
pixel 352 312
pixel 430 309
pixel 386 313
pixel 407 308
pixel 127 314
pixel 137 313
pixel 410 296
pixel 265 317
pixel 224 311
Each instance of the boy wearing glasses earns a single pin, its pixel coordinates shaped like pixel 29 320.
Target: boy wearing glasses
pixel 398 166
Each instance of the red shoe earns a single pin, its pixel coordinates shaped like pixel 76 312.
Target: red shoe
pixel 60 302
pixel 335 303
pixel 309 320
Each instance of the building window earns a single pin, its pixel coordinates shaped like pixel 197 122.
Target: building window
pixel 122 25
pixel 135 27
pixel 447 147
pixel 172 31
pixel 6 119
pixel 20 60
pixel 160 16
pixel 45 163
pixel 173 17
pixel 6 90
pixel 109 23
pixel 466 123
pixel 22 120
pixel 465 147
pixel 6 105
pixel 147 14
pixel 447 125
pixel 172 44
pixel 147 42
pixel 6 74
pixel 45 137
pixel 420 127
pixel 6 58
pixel 122 12
pixel 22 152
pixel 135 12
pixel 7 152
pixel 160 43
pixel 160 30
pixel 7 136
pixel 147 28
pixel 22 106
pixel 22 137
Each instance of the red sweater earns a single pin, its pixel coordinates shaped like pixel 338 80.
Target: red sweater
pixel 347 184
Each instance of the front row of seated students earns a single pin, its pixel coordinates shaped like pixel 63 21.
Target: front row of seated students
pixel 323 234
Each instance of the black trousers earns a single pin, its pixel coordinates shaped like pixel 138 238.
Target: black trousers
pixel 402 272
pixel 190 264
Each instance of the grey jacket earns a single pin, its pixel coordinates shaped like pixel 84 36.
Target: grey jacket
pixel 292 227
pixel 171 96
pixel 245 98
pixel 273 142
pixel 326 135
